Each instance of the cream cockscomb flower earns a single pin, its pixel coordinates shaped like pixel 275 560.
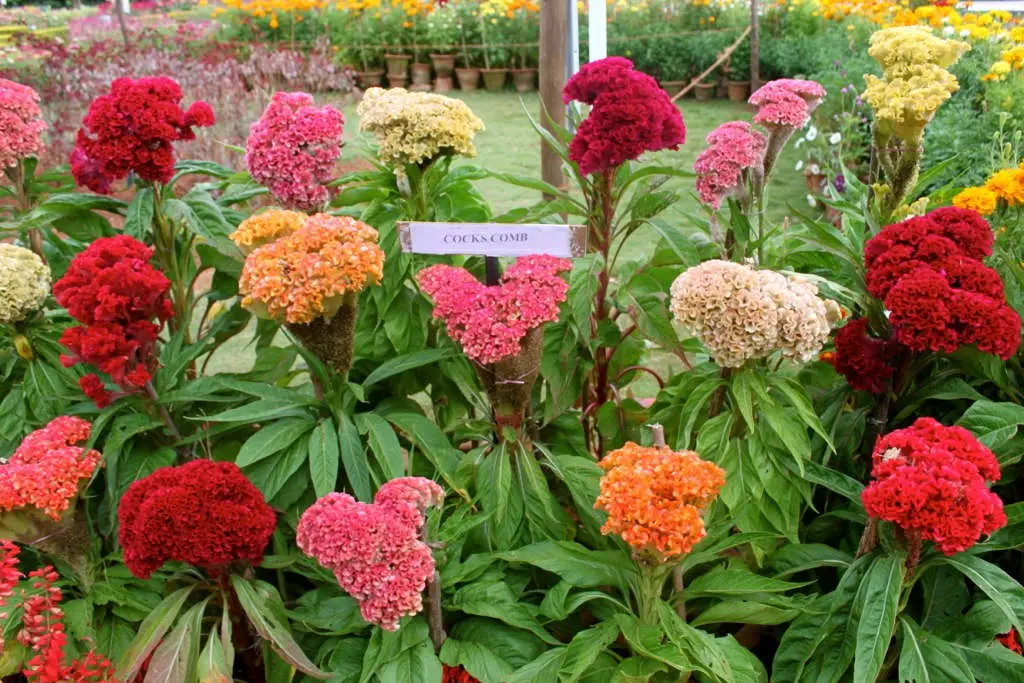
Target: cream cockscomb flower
pixel 417 127
pixel 740 313
pixel 24 283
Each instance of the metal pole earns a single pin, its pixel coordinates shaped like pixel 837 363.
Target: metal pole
pixel 755 46
pixel 597 22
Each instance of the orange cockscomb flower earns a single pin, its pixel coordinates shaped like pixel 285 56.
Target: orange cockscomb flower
pixel 264 228
pixel 306 275
pixel 655 497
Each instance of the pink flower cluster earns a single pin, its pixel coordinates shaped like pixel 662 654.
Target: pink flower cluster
pixel 47 468
pixel 733 148
pixel 132 130
pixel 786 102
pixel 931 480
pixel 21 123
pixel 292 149
pixel 631 115
pixel 490 322
pixel 375 549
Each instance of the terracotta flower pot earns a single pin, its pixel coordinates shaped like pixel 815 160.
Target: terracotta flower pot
pixel 721 89
pixel 397 64
pixel 469 78
pixel 524 79
pixel 494 79
pixel 673 87
pixel 443 84
pixel 444 65
pixel 370 78
pixel 739 91
pixel 420 77
pixel 397 81
pixel 704 91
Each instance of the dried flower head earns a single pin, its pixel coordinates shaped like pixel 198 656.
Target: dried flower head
pixel 264 228
pixel 305 275
pixel 655 498
pixel 417 127
pixel 21 123
pixel 375 550
pixel 740 313
pixel 24 283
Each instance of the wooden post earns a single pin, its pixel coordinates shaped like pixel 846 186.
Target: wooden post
pixel 553 16
pixel 755 46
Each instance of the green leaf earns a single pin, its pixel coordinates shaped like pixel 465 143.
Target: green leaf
pixel 495 600
pixel 426 436
pixel 175 660
pixel 993 423
pixel 732 582
pixel 150 633
pixel 833 480
pixel 138 220
pixel 584 649
pixel 266 614
pixel 926 658
pixel 258 411
pixel 383 443
pixel 323 458
pixel 213 665
pixel 746 612
pixel 273 438
pixel 478 659
pixel 576 564
pixel 417 664
pixel 409 361
pixel 354 459
pixel 543 669
pixel 881 596
pixel 999 586
pixel 800 557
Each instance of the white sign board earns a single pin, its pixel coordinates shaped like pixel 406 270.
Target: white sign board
pixel 493 239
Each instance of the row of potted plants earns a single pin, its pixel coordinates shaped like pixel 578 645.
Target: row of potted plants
pixel 442 67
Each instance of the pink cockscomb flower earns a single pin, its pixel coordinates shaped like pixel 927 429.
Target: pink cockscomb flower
pixel 292 149
pixel 631 115
pixel 733 148
pixel 491 322
pixel 47 468
pixel 21 123
pixel 375 550
pixel 786 102
pixel 132 129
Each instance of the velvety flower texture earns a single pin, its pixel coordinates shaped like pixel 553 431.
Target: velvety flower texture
pixel 740 313
pixel 375 550
pixel 304 275
pixel 417 127
pixel 491 322
pixel 928 272
pixel 456 674
pixel 786 102
pixel 865 362
pixel 24 283
pixel 631 115
pixel 121 303
pixel 293 147
pixel 204 513
pixel 264 228
pixel 46 470
pixel 733 149
pixel 655 498
pixel 931 480
pixel 132 129
pixel 21 123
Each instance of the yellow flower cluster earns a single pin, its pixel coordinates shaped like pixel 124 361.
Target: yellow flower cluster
pixel 264 228
pixel 887 13
pixel 417 127
pixel 915 82
pixel 305 275
pixel 1006 186
pixel 1010 60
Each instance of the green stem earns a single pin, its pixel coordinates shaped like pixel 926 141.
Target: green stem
pixel 651 582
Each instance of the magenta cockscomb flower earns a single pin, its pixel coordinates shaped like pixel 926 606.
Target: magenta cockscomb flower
pixel 21 123
pixel 733 148
pixel 292 149
pixel 491 322
pixel 786 102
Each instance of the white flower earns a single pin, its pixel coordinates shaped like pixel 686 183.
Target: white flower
pixel 811 133
pixel 800 165
pixel 811 200
pixel 965 33
pixel 814 169
pixel 835 139
pixel 948 31
pixel 799 142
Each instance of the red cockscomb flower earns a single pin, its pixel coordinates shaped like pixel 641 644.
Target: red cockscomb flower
pixel 931 480
pixel 631 115
pixel 1011 641
pixel 865 362
pixel 205 513
pixel 132 130
pixel 456 674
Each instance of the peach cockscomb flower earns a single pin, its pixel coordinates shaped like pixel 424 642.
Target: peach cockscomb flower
pixel 264 228
pixel 655 498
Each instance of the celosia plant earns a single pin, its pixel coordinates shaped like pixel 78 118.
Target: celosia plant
pixel 375 550
pixel 865 361
pixel 656 497
pixel 24 283
pixel 734 151
pixel 740 313
pixel 293 147
pixel 204 513
pixel 120 301
pixel 46 471
pixel 631 115
pixel 264 228
pixel 21 123
pixel 416 127
pixel 133 130
pixel 931 482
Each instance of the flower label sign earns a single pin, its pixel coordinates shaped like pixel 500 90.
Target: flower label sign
pixel 493 239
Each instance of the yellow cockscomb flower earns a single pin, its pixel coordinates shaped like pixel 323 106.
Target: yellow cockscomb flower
pixel 264 228
pixel 980 199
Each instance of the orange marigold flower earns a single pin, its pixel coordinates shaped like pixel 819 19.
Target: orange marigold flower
pixel 306 275
pixel 263 228
pixel 980 199
pixel 655 497
pixel 1008 185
